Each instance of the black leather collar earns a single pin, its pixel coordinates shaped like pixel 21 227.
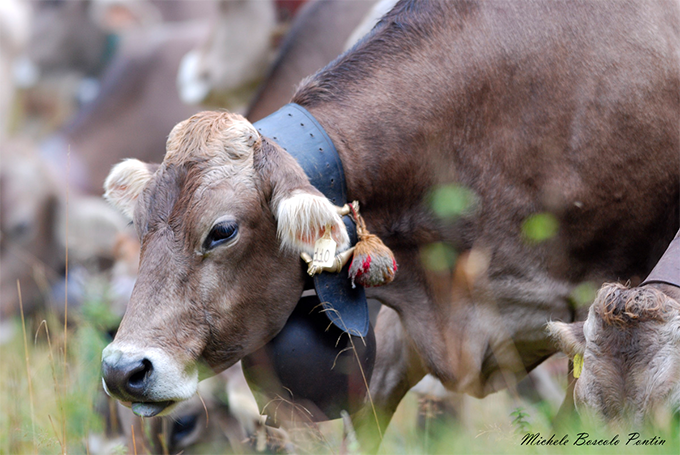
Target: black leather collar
pixel 667 270
pixel 298 132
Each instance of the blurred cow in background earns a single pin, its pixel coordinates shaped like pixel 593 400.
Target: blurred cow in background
pixel 37 222
pixel 73 42
pixel 29 249
pixel 234 58
pixel 223 417
pixel 318 35
pixel 136 105
pixel 82 36
pixel 230 68
pixel 14 19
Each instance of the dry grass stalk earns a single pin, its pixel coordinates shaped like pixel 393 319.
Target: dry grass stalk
pixel 28 368
pixel 68 171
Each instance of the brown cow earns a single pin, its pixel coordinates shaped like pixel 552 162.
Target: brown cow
pixel 565 108
pixel 630 346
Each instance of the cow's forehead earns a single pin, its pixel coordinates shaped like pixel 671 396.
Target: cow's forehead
pixel 190 196
pixel 207 151
pixel 218 138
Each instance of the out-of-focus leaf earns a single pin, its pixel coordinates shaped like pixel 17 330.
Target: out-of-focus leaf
pixel 540 227
pixel 450 201
pixel 438 257
pixel 584 294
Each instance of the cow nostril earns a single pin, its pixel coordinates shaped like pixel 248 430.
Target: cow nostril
pixel 139 375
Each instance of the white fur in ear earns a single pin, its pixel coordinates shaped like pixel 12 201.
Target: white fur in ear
pixel 302 219
pixel 125 183
pixel 568 337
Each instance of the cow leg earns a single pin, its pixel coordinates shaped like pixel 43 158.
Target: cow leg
pixel 397 369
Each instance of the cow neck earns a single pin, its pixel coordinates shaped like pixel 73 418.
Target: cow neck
pixel 294 129
pixel 667 270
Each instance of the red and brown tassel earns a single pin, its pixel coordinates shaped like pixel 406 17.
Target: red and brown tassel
pixel 373 263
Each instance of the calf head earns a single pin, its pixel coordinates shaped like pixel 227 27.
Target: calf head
pixel 630 345
pixel 222 222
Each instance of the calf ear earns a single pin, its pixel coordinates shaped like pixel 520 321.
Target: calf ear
pixel 568 337
pixel 301 211
pixel 126 182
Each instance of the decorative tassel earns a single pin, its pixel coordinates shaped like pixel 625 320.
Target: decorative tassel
pixel 373 263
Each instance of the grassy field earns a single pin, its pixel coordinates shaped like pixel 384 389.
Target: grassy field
pixel 50 389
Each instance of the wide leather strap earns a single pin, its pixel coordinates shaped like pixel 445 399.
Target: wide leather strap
pixel 667 270
pixel 294 129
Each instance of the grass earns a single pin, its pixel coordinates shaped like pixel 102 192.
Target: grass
pixel 49 399
pixel 65 388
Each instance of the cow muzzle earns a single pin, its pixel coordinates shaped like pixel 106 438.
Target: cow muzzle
pixel 148 381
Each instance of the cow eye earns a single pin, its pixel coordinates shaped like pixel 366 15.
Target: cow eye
pixel 219 234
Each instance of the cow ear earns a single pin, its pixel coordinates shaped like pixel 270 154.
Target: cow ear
pixel 568 337
pixel 125 183
pixel 301 211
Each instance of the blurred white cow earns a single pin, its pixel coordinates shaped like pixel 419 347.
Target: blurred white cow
pixel 14 27
pixel 227 69
pixel 233 60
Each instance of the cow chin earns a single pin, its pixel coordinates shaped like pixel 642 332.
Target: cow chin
pixel 149 380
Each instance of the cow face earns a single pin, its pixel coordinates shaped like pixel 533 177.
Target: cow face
pixel 630 345
pixel 222 222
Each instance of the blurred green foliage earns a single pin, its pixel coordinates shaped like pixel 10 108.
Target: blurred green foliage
pixel 451 201
pixel 540 227
pixel 584 294
pixel 438 257
pixel 520 420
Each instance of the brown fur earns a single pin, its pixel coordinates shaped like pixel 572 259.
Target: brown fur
pixel 531 108
pixel 621 306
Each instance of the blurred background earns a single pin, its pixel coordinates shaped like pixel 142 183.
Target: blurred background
pixel 85 84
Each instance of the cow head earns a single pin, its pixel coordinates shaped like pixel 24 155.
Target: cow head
pixel 630 345
pixel 222 222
